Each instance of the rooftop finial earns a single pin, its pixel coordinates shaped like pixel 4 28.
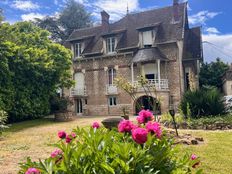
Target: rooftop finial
pixel 127 9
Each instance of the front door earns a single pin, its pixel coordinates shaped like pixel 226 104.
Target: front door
pixel 79 106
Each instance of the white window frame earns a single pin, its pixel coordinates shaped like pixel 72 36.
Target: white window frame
pixel 112 101
pixel 78 49
pixel 109 45
pixel 112 74
pixel 148 42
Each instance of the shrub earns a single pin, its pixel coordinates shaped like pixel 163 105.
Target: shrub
pixel 3 119
pixel 135 150
pixel 203 102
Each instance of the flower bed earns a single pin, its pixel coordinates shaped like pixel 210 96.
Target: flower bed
pixel 133 148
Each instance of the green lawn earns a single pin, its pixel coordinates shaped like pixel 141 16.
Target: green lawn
pixel 34 138
pixel 215 153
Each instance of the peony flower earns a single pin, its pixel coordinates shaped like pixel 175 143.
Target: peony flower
pixel 193 157
pixel 56 152
pixel 125 126
pixel 73 135
pixel 95 125
pixel 154 128
pixel 139 135
pixel 62 134
pixel 145 116
pixel 68 138
pixel 32 171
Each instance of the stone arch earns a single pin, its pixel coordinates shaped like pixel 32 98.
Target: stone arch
pixel 147 102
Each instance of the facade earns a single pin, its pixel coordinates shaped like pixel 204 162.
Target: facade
pixel 157 44
pixel 227 82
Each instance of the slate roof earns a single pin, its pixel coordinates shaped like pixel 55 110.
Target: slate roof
pixel 162 19
pixel 148 54
pixel 193 44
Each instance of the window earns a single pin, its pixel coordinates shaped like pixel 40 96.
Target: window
pixel 78 50
pixel 110 44
pixel 147 38
pixel 112 101
pixel 111 75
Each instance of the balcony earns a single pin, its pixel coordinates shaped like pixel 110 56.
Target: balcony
pixel 159 85
pixel 78 92
pixel 111 89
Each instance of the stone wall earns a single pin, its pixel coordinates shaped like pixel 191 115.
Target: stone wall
pixel 95 73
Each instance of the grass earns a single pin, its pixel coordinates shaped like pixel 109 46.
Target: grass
pixel 35 138
pixel 215 153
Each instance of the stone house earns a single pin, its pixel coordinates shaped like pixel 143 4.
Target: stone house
pixel 157 44
pixel 227 82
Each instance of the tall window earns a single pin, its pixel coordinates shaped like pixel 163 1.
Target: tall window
pixel 112 75
pixel 78 50
pixel 110 44
pixel 147 38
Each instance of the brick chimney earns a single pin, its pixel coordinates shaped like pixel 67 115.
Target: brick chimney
pixel 105 21
pixel 175 11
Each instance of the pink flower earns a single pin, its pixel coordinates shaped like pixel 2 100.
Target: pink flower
pixel 95 125
pixel 73 135
pixel 32 171
pixel 193 157
pixel 68 138
pixel 125 126
pixel 56 153
pixel 61 134
pixel 154 128
pixel 145 116
pixel 139 135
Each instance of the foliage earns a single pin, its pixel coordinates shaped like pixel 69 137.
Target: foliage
pixel 59 104
pixel 3 119
pixel 102 151
pixel 211 73
pixel 72 16
pixel 203 102
pixel 32 68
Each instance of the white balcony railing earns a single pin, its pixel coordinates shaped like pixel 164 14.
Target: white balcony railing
pixel 78 91
pixel 111 89
pixel 158 84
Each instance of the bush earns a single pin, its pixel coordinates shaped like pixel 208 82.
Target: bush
pixel 98 150
pixel 203 102
pixel 3 119
pixel 58 104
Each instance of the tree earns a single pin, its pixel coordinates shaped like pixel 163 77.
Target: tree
pixel 211 73
pixel 32 68
pixel 72 16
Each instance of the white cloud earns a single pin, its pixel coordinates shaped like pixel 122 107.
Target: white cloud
pixel 56 2
pixel 24 5
pixel 212 30
pixel 218 46
pixel 116 8
pixel 201 17
pixel 32 16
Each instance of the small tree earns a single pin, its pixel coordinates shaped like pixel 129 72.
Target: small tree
pixel 211 73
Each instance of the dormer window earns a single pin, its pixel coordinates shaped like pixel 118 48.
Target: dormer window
pixel 110 45
pixel 147 38
pixel 78 50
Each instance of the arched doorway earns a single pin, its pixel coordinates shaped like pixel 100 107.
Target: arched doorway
pixel 147 102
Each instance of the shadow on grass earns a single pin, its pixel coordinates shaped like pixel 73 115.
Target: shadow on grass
pixel 29 124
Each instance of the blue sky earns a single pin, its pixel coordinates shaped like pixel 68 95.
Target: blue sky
pixel 213 15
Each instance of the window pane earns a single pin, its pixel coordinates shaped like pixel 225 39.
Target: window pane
pixel 77 49
pixel 115 103
pixel 147 38
pixel 113 44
